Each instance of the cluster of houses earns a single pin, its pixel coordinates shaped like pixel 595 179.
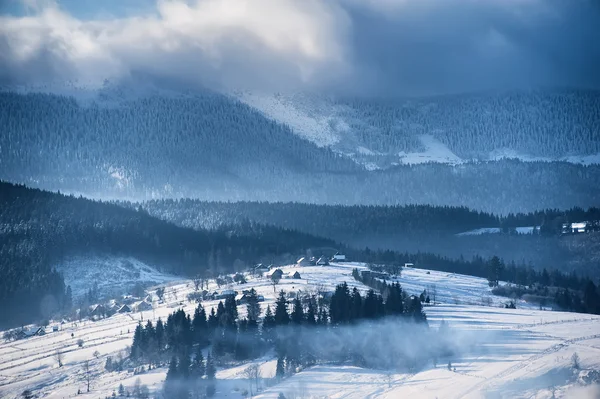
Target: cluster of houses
pixel 322 261
pixel 581 227
pixel 239 298
pixel 278 274
pixel 126 304
pixel 274 272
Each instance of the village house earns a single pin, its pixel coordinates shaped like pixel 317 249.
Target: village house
pixel 339 257
pixel 275 274
pixel 323 261
pixel 143 306
pixel 304 262
pixel 293 275
pixel 97 311
pixel 124 309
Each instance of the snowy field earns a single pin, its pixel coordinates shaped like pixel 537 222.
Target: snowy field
pixel 513 353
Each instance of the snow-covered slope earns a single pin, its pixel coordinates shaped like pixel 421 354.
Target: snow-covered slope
pixel 111 273
pixel 497 230
pixel 516 353
pixel 371 131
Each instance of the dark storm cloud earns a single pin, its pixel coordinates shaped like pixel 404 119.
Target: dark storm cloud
pixel 373 47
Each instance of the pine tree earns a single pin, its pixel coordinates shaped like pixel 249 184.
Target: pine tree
pixel 211 371
pixel 253 306
pixel 268 325
pixel 200 326
pixel 160 336
pixel 311 317
pixel 357 305
pixel 297 313
pixel 136 346
pixel 281 313
pixel 172 380
pixel 121 390
pixel 198 366
pixel 280 369
pixel 184 366
pixel 213 322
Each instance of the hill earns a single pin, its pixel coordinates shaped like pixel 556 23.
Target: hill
pixel 128 143
pixel 40 229
pixel 411 228
pixel 517 353
pixel 543 124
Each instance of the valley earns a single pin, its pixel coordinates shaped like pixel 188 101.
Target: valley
pixel 500 351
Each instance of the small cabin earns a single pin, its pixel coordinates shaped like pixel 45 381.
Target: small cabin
pixel 409 265
pixel 97 311
pixel 339 257
pixel 143 306
pixel 293 275
pixel 275 274
pixel 124 309
pixel 304 262
pixel 323 261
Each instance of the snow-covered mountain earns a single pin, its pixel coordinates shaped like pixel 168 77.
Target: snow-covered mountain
pixel 546 126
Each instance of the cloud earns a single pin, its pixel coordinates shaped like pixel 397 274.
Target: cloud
pixel 394 47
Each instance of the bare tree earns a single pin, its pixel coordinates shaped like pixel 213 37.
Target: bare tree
pixel 253 374
pixel 197 282
pixel 434 293
pixel 160 293
pixel 274 282
pixel 389 377
pixel 59 357
pixel 87 374
pixel 575 361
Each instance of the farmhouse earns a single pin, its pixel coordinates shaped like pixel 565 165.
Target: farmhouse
pixel 124 309
pixel 339 257
pixel 293 275
pixel 304 262
pixel 97 311
pixel 143 306
pixel 275 274
pixel 323 261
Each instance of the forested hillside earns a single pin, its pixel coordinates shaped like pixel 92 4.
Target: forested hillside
pixel 543 123
pixel 159 145
pixel 40 228
pixel 407 228
pixel 356 220
pixel 211 147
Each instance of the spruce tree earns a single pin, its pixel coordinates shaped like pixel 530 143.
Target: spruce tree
pixel 253 306
pixel 281 313
pixel 268 325
pixel 297 313
pixel 136 346
pixel 311 317
pixel 211 371
pixel 280 369
pixel 173 379
pixel 160 336
pixel 184 366
pixel 357 305
pixel 198 365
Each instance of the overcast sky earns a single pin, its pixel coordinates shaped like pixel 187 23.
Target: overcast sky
pixel 368 47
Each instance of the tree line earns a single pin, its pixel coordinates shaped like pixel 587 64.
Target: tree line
pixel 341 221
pixel 296 329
